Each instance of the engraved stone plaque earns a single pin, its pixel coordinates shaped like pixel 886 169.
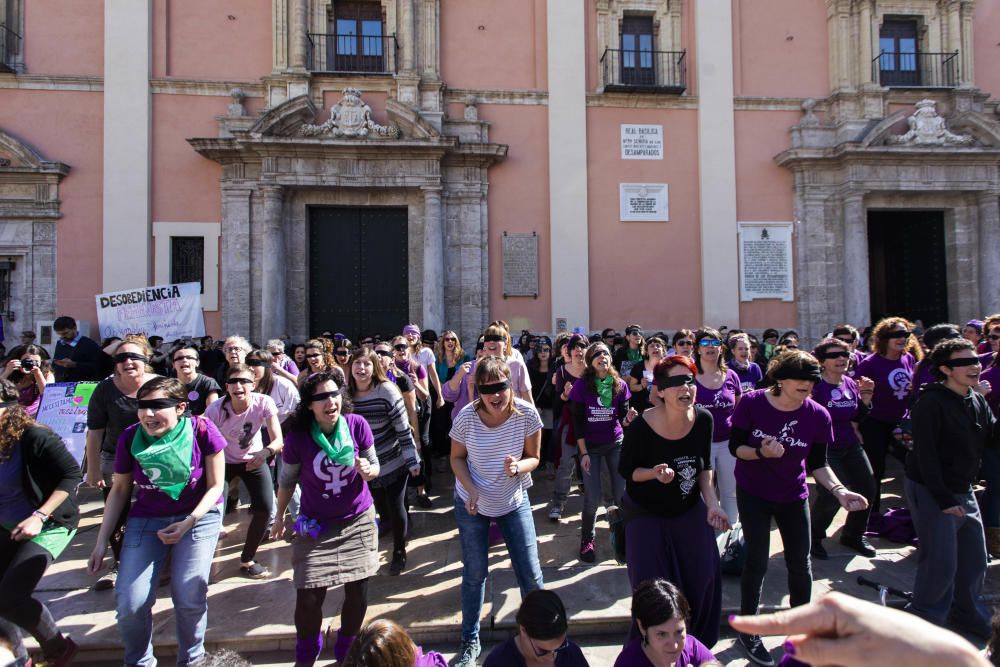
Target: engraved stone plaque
pixel 520 265
pixel 765 261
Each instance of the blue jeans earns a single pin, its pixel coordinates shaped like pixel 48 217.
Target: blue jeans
pixel 518 528
pixel 139 573
pixel 951 561
pixel 606 454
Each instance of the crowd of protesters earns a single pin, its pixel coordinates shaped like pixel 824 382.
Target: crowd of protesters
pixel 690 440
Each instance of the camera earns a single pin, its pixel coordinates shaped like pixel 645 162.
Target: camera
pixel 27 364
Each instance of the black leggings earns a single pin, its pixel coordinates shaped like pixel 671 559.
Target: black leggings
pixel 309 609
pixel 22 565
pixel 390 503
pixel 878 441
pixel 258 483
pixel 793 525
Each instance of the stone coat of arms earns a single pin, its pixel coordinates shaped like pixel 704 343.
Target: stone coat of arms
pixel 351 117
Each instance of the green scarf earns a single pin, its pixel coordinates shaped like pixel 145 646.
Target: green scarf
pixel 634 355
pixel 605 389
pixel 166 460
pixel 339 449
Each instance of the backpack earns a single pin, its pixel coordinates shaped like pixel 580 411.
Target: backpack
pixel 733 551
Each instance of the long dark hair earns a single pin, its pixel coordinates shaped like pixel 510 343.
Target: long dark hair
pixel 22 350
pixel 590 375
pixel 304 417
pixel 14 420
pixel 266 382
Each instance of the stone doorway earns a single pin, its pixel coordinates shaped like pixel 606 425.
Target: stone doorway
pixel 358 271
pixel 907 265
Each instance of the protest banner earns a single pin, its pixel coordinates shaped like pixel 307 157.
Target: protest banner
pixel 64 410
pixel 170 311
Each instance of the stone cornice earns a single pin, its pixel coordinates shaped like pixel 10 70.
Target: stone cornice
pixel 836 158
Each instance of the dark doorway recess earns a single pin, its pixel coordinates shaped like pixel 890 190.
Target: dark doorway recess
pixel 906 261
pixel 358 271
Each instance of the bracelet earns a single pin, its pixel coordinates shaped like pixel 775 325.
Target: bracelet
pixel 41 515
pixel 759 451
pixel 585 454
pixel 833 489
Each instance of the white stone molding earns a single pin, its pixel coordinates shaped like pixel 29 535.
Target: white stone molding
pixel 927 128
pixel 164 231
pixel 351 117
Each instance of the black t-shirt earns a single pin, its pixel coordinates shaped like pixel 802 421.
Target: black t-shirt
pixel 111 410
pixel 507 655
pixel 640 399
pixel 541 386
pixel 687 457
pixel 622 363
pixel 198 391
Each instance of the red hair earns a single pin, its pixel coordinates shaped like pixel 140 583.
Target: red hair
pixel 662 369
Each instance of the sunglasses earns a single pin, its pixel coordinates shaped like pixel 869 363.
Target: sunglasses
pixel 684 342
pixel 541 652
pixel 709 342
pixel 450 340
pixel 239 381
pixel 399 348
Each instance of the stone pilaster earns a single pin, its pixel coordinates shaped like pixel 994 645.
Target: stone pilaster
pixel 273 260
pixel 407 36
pixel 434 267
pixel 989 251
pixel 235 298
pixel 857 299
pixel 40 300
pixel 429 36
pixel 300 28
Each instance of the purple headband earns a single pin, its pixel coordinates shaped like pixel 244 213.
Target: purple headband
pixel 411 328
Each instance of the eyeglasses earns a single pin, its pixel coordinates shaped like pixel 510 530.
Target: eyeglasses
pixel 709 342
pixel 399 348
pixel 314 355
pixel 342 353
pixel 232 349
pixel 684 342
pixel 239 381
pixel 541 653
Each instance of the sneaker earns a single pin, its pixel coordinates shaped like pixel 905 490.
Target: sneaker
pixel 398 563
pixel 587 553
pixel 254 571
pixel 756 651
pixel 63 659
pixel 467 654
pixel 107 582
pixel 424 501
pixel 818 551
pixel 555 514
pixel 859 544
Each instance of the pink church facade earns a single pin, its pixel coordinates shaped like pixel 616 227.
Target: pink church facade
pixel 353 166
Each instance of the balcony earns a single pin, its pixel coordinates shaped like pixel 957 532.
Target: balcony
pixel 644 71
pixel 10 46
pixel 352 54
pixel 916 70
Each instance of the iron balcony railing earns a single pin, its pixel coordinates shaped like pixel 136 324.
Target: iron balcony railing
pixel 894 69
pixel 352 54
pixel 640 70
pixel 10 46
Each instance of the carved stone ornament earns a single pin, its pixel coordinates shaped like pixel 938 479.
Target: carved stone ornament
pixel 350 117
pixel 927 128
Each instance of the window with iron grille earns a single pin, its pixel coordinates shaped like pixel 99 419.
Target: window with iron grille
pixel 6 271
pixel 187 260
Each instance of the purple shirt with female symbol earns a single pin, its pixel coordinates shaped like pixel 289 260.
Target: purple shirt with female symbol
pixel 892 385
pixel 842 404
pixel 721 402
pixel 331 493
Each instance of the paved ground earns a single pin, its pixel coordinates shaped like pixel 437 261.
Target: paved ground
pixel 255 617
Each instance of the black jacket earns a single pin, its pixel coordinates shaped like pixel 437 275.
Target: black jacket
pixel 949 435
pixel 48 467
pixel 90 361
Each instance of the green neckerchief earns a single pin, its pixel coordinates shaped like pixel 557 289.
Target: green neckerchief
pixel 339 449
pixel 166 460
pixel 634 355
pixel 605 389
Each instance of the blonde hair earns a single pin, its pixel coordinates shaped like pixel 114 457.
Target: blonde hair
pixel 439 346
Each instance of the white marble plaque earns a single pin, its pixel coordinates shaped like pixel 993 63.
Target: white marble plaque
pixel 520 265
pixel 642 142
pixel 765 260
pixel 644 202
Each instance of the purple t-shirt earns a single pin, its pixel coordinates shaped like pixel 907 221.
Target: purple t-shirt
pixel 330 492
pixel 150 501
pixel 242 430
pixel 694 653
pixel 992 375
pixel 922 376
pixel 892 385
pixel 407 367
pixel 721 402
pixel 602 423
pixel 750 376
pixel 508 655
pixel 842 404
pixel 783 479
